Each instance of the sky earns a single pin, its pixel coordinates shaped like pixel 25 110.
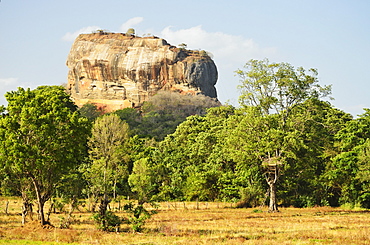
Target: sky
pixel 332 36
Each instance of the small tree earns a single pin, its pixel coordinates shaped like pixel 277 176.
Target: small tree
pixel 142 182
pixel 183 45
pixel 106 153
pixel 130 32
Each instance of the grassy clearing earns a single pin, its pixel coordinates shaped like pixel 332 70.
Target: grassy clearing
pixel 212 223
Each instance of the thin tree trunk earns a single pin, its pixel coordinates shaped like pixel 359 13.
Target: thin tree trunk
pixel 114 189
pixel 6 207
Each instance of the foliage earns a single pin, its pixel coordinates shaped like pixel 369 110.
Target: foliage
pixel 42 138
pixel 346 174
pixel 90 111
pixel 142 180
pixel 132 117
pixel 183 45
pixel 107 222
pixel 277 86
pixel 162 113
pixel 191 154
pixel 284 145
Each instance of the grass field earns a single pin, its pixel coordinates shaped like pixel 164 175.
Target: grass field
pixel 212 223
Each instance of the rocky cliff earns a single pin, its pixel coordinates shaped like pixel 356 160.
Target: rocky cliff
pixel 116 71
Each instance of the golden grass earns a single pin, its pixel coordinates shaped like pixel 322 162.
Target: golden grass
pixel 212 223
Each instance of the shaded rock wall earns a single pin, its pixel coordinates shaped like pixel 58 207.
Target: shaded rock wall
pixel 115 71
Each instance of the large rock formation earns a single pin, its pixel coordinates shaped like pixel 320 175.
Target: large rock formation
pixel 116 71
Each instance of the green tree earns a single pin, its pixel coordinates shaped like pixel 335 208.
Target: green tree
pixel 192 153
pixel 108 160
pixel 143 180
pixel 364 173
pixel 317 123
pixel 130 32
pixel 345 175
pixel 277 87
pixel 42 137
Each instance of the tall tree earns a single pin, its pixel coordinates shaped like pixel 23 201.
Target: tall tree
pixel 42 137
pixel 106 152
pixel 277 87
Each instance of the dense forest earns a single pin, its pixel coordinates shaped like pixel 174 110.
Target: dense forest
pixel 284 145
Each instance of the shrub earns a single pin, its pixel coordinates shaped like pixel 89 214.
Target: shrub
pixel 107 222
pixel 138 215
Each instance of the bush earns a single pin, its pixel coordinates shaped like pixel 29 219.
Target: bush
pixel 138 216
pixel 107 222
pixel 250 197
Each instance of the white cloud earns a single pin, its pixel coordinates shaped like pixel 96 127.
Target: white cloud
pixel 8 84
pixel 70 37
pixel 131 23
pixel 226 47
pixel 230 53
pixel 5 82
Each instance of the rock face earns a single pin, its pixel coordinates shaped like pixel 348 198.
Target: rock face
pixel 116 71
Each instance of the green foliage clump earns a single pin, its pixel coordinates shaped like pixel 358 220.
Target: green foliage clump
pixel 138 215
pixel 90 111
pixel 107 222
pixel 162 113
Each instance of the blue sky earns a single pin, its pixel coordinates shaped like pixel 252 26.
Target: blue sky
pixel 332 36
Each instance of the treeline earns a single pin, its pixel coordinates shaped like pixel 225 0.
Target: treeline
pixel 284 145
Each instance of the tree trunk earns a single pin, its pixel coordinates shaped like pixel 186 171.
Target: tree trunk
pixel 6 207
pixel 41 211
pixel 24 213
pixel 103 211
pixel 40 202
pixel 273 205
pixel 272 176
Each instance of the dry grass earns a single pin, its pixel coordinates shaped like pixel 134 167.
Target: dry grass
pixel 212 223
